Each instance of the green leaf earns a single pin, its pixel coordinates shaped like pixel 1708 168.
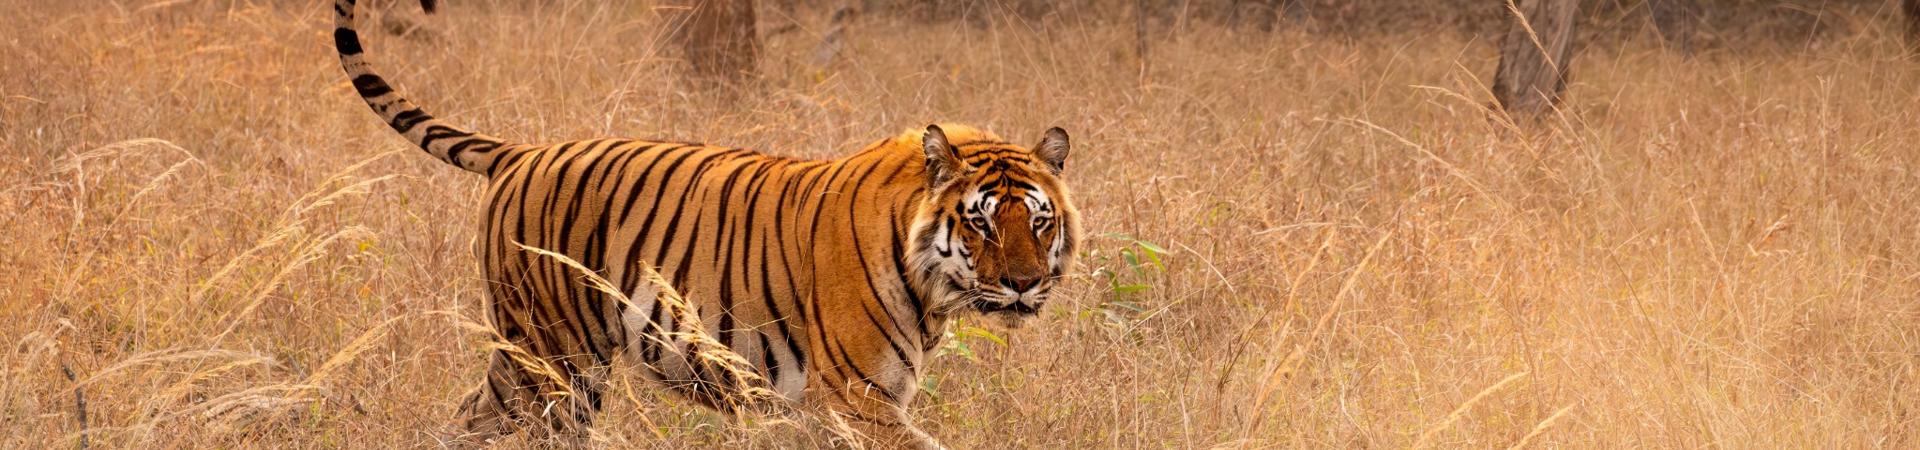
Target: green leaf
pixel 931 386
pixel 1132 288
pixel 964 351
pixel 1154 257
pixel 1151 247
pixel 983 333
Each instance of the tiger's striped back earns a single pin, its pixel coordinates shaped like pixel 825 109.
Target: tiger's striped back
pixel 730 228
pixel 736 232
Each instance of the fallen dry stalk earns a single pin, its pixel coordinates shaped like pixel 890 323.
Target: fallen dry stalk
pixel 1427 436
pixel 1539 428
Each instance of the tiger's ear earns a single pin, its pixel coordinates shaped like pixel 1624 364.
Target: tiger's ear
pixel 943 161
pixel 1053 149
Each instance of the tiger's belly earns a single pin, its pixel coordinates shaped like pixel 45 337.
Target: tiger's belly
pixel 711 222
pixel 672 358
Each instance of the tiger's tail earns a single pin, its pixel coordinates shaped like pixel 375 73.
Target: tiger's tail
pixel 461 147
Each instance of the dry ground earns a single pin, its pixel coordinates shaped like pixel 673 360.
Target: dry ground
pixel 208 236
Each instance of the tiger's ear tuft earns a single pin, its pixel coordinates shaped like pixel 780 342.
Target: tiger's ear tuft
pixel 1053 149
pixel 943 161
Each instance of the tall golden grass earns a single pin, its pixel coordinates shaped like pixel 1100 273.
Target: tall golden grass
pixel 207 241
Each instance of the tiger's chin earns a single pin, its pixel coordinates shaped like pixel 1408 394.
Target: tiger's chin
pixel 1011 315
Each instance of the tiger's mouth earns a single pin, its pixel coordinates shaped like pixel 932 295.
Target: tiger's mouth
pixel 1012 315
pixel 1018 308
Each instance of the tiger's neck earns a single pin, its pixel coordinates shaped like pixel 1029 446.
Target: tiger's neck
pixel 857 214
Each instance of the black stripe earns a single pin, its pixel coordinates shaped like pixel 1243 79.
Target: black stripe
pixel 347 40
pixel 673 225
pixel 639 187
pixel 594 253
pixel 639 184
pixel 892 341
pixel 406 120
pixel 535 269
pixel 553 238
pixel 866 270
pixel 371 86
pixel 816 334
pixel 658 321
pixel 513 159
pixel 862 375
pixel 767 361
pixel 899 257
pixel 753 230
pixel 820 203
pixel 1003 153
pixel 724 256
pixel 486 145
pixel 492 388
pixel 518 218
pixel 597 242
pixel 631 276
pixel 594 332
pixel 666 175
pixel 438 132
pixel 617 154
pixel 780 238
pixel 817 205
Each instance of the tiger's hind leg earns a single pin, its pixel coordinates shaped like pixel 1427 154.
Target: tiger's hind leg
pixel 491 410
pixel 516 397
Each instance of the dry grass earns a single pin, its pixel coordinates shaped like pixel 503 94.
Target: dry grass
pixel 224 248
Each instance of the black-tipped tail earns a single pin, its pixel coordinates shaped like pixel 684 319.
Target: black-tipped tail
pixel 461 147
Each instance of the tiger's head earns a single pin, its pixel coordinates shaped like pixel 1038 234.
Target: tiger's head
pixel 997 229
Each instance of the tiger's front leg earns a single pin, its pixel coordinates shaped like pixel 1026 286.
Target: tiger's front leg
pixel 864 376
pixel 875 422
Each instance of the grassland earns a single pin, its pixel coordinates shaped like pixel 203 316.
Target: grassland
pixel 205 235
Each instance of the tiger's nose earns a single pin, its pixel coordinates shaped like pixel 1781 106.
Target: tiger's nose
pixel 1019 284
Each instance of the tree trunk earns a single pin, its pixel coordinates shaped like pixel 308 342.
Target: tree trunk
pixel 1534 57
pixel 1140 12
pixel 719 39
pixel 1295 10
pixel 1260 13
pixel 833 45
pixel 1912 8
pixel 1675 19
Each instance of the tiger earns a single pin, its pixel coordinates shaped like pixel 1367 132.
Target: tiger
pixel 835 280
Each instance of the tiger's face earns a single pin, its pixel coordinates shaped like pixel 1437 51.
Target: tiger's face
pixel 996 231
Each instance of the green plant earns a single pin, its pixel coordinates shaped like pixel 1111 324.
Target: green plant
pixel 958 336
pixel 1129 272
